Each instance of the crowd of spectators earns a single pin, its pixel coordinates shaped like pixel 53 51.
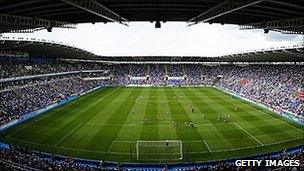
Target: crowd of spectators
pixel 34 95
pixel 15 158
pixel 194 75
pixel 175 70
pixel 225 165
pixel 275 86
pixel 157 74
pixel 138 74
pixel 9 69
pixel 120 74
pixel 138 70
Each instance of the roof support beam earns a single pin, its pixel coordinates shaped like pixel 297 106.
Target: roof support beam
pixel 223 8
pixel 98 9
pixel 13 23
pixel 287 4
pixel 277 25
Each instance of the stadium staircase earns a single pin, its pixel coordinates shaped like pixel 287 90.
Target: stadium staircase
pixel 166 72
pixel 225 77
pixel 216 80
pixel 187 81
pixel 148 70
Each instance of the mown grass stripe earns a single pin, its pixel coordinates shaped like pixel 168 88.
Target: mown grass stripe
pixel 107 134
pixel 148 131
pixel 241 115
pixel 82 117
pixel 180 116
pixel 214 108
pixel 167 132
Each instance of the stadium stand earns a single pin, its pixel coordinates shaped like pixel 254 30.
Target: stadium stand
pixel 31 97
pixel 15 158
pixel 23 68
pixel 28 85
pixel 273 85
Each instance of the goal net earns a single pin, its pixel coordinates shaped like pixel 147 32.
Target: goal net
pixel 159 150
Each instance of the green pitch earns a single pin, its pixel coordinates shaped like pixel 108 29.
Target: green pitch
pixel 106 124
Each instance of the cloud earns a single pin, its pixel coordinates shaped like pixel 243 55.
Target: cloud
pixel 173 39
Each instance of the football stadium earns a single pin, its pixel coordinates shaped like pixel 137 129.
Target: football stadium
pixel 64 107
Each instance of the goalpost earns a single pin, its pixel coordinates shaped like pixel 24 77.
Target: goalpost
pixel 159 150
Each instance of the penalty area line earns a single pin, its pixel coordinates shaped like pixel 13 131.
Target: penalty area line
pixel 207 146
pixel 248 134
pixel 117 141
pixel 111 146
pixel 67 135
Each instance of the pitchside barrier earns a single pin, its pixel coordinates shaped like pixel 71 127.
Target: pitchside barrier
pixel 287 114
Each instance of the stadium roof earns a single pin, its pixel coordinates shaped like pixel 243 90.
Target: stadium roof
pixel 43 47
pixel 286 16
pixel 59 50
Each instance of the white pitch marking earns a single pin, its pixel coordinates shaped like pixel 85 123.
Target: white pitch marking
pixel 67 135
pixel 118 141
pixel 111 146
pixel 248 134
pixel 207 146
pixel 96 151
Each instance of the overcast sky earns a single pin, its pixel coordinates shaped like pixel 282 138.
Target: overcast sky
pixel 175 39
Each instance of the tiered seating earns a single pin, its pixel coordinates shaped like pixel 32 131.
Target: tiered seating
pixel 10 69
pixel 273 85
pixel 276 86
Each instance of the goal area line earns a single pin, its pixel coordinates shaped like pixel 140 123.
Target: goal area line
pixel 146 150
